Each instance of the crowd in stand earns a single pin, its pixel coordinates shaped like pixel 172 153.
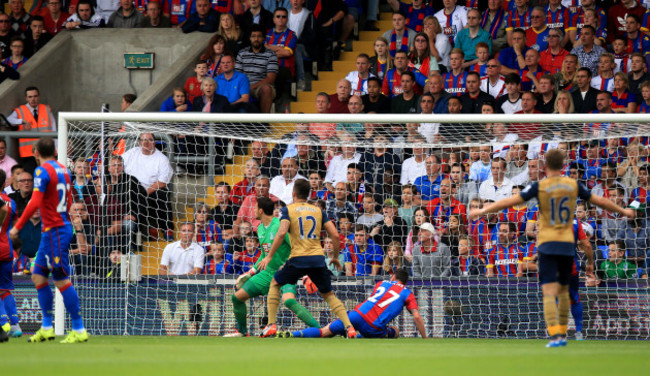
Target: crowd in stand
pixel 398 203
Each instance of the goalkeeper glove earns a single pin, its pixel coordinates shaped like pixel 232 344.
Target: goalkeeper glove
pixel 309 285
pixel 241 280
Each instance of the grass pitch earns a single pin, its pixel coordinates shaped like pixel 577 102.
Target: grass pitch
pixel 189 356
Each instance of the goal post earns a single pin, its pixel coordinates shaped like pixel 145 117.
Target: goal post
pixel 207 152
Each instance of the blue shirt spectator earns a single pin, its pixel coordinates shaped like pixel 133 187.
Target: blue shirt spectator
pixel 361 262
pixel 177 102
pixel 427 188
pixel 235 88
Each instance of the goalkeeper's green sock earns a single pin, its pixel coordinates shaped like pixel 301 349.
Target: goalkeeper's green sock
pixel 239 308
pixel 302 313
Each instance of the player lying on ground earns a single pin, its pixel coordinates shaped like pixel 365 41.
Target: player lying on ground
pixel 52 195
pixel 557 196
pixel 371 317
pixel 252 283
pixel 304 223
pixel 6 264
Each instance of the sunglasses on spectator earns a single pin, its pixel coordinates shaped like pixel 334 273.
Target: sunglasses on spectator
pixel 4 21
pixel 280 16
pixel 492 66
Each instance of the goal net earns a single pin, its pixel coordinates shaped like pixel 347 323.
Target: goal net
pixel 398 188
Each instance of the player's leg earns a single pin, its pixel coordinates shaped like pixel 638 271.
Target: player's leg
pixel 321 278
pixel 335 328
pixel 288 275
pixel 40 275
pixel 289 298
pixel 10 306
pixel 563 300
pixel 255 286
pixel 576 305
pixel 4 323
pixel 6 283
pixel 548 275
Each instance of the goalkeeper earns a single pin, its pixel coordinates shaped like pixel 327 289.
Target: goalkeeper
pixel 252 283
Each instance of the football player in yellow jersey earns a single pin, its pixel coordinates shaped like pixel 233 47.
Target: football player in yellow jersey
pixel 557 196
pixel 304 223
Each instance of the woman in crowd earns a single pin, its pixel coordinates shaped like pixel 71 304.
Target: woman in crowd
pixel 381 62
pixel 229 30
pixel 420 56
pixel 564 103
pixel 213 54
pixel 623 101
pixel 438 42
pixel 565 79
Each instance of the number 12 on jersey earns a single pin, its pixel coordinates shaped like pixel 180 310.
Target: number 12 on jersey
pixel 311 232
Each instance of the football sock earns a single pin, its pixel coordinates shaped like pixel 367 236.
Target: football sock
pixel 45 300
pixel 71 302
pixel 576 312
pixel 301 312
pixel 307 333
pixel 551 316
pixel 10 306
pixel 564 303
pixel 338 309
pixel 4 319
pixel 239 308
pixel 272 302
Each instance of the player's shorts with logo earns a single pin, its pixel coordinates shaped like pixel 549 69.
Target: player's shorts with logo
pixel 556 262
pixel 312 266
pixel 52 256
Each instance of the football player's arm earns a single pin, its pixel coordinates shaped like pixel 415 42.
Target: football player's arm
pixel 611 206
pixel 277 242
pixel 496 206
pixel 419 323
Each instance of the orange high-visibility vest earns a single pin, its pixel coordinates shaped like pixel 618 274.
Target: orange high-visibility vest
pixel 42 125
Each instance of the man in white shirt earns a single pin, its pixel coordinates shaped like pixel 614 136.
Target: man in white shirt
pixel 338 168
pixel 282 185
pixel 359 78
pixel 183 257
pixel 414 167
pixel 494 83
pixel 497 186
pixel 298 16
pixel 154 172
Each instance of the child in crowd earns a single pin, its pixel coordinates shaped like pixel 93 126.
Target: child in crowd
pixel 394 258
pixel 217 261
pixel 193 84
pixel 482 57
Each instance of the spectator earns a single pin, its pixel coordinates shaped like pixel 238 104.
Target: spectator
pixel 339 204
pixel 468 38
pixel 588 53
pixel 234 85
pixel 629 171
pixel 428 130
pixel 225 212
pixel 452 18
pixel 210 101
pixel 104 8
pixel 36 36
pixel 24 192
pixel 617 267
pixel 537 33
pixel 473 98
pixel 504 257
pixel 204 19
pixel 465 264
pixel 154 17
pixel 497 186
pixel 328 247
pixel 528 104
pixel 6 162
pixel 414 167
pixel 519 16
pixel 282 185
pixel 6 33
pixel 382 62
pixel 617 17
pixel 466 190
pixel 177 102
pixel 566 78
pixel 32 116
pixel 82 242
pixel 193 84
pixel 255 15
pixel 217 261
pixel 431 258
pixel 623 101
pixel 551 59
pixel 359 78
pixel 245 186
pixel 282 41
pixel 480 170
pixel 612 223
pixel 636 236
pixel 604 81
pixel 374 101
pixel 303 23
pixel 394 258
pixel 30 235
pixel 339 101
pixel 429 184
pixel 546 94
pixel 479 65
pixel 391 228
pixel 364 257
pixel 214 53
pixel 355 107
pixel 392 80
pixel 126 16
pixel 232 34
pixel 512 58
pixel 603 106
pixel 19 18
pixel 532 72
pixel 11 184
pixel 375 161
pixel 493 21
pixel 370 217
pixel 152 169
pixel 589 14
pixel 17 57
pixel 420 56
pixel 493 83
pixel 415 12
pixel 438 42
pixel 408 207
pixel 400 37
pixel 637 74
pixel 183 257
pixel 208 232
pixel 53 17
pixel 261 66
pixel 246 212
pixel 564 103
pixel 420 217
pixel 440 95
pixel 85 17
pixel 584 98
pixel 455 79
pixel 517 167
pixel 407 101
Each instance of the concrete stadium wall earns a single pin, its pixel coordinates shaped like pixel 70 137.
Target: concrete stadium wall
pixel 80 70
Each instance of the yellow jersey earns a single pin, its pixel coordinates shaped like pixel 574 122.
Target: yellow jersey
pixel 306 223
pixel 557 197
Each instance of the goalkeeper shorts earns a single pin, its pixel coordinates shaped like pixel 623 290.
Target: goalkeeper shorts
pixel 259 284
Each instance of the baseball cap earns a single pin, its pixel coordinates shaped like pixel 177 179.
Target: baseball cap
pixel 391 203
pixel 428 226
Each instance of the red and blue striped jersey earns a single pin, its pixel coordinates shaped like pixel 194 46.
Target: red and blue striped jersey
pixel 504 260
pixel 288 40
pixel 22 263
pixel 141 5
pixel 440 213
pixel 640 194
pixel 225 266
pixel 481 69
pixel 455 85
pixel 246 261
pixel 560 19
pixel 616 156
pixel 639 44
pixel 6 248
pixel 415 17
pixel 518 216
pixel 479 231
pixel 644 108
pixel 515 20
pixel 621 100
pixel 178 10
pixel 53 179
pixel 392 83
pixel 387 301
pixel 210 233
pixel 537 40
pixel 526 83
pixel 578 19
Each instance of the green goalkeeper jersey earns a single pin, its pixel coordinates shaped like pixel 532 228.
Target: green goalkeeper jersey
pixel 266 236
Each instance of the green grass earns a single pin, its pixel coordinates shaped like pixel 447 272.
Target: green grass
pixel 193 356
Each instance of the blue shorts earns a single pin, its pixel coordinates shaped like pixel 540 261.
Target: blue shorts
pixel 362 327
pixel 52 255
pixel 574 285
pixel 312 266
pixel 6 280
pixel 555 268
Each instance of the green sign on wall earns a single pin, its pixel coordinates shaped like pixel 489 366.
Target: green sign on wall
pixel 138 60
